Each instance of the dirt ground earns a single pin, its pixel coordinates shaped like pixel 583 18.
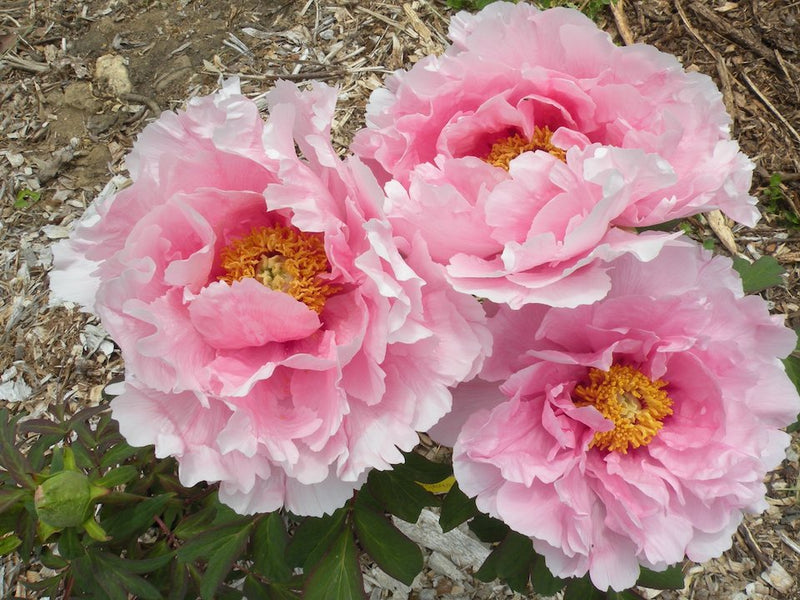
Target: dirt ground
pixel 79 80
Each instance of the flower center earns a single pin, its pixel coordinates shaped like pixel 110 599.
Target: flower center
pixel 505 150
pixel 283 259
pixel 636 405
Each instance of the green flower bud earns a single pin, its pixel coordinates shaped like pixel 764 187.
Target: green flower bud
pixel 63 500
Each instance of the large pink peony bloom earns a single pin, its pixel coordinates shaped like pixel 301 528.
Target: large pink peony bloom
pixel 277 337
pixel 536 139
pixel 636 430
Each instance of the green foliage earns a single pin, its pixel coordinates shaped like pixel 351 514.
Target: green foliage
pixel 669 579
pixel 775 202
pixel 591 8
pixel 471 5
pixel 762 274
pixel 137 532
pixel 25 198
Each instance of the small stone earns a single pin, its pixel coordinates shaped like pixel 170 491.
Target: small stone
pixel 427 594
pixel 110 71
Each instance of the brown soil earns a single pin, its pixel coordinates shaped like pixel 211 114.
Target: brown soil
pixel 80 79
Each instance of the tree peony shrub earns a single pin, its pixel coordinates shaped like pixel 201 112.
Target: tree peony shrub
pixel 277 337
pixel 636 430
pixel 539 141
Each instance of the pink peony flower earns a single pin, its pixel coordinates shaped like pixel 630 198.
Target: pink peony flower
pixel 538 140
pixel 637 430
pixel 277 337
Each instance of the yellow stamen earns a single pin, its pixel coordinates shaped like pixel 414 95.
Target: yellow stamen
pixel 283 259
pixel 636 404
pixel 505 150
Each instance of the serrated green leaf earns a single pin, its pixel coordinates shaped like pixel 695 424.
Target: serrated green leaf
pixel 669 579
pixel 511 562
pixel 269 548
pixel 402 497
pixel 8 543
pixel 457 507
pixel 488 529
pixel 313 538
pixel 762 274
pixel 418 468
pixel 129 522
pixel 338 574
pixel 543 581
pixel 391 550
pixel 582 589
pixel 118 476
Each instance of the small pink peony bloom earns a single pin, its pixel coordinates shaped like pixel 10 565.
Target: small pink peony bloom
pixel 634 431
pixel 277 337
pixel 538 140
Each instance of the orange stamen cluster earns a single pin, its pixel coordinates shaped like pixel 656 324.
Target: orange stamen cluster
pixel 283 259
pixel 505 150
pixel 626 396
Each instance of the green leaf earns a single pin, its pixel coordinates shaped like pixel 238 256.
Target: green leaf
pixel 228 547
pixel 126 578
pixel 261 590
pixel 269 548
pixel 764 273
pixel 313 538
pixel 118 454
pixel 36 453
pixel 402 497
pixel 12 497
pixel 391 550
pixel 69 544
pixel 42 426
pixel 8 543
pixel 338 574
pixel 25 198
pixel 457 507
pixel 543 581
pixel 670 579
pixel 510 562
pixel 582 589
pixel 418 468
pixel 119 476
pixel 139 566
pixel 12 459
pixel 53 561
pixel 129 522
pixel 195 524
pixel 205 545
pixel 488 529
pixel 625 595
